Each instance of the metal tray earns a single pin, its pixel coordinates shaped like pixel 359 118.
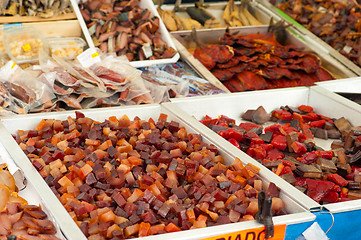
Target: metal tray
pixel 276 13
pixel 146 4
pixel 233 105
pixel 296 203
pixel 209 36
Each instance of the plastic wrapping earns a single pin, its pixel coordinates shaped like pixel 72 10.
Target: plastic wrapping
pixel 3 58
pixel 178 81
pixel 116 71
pixel 27 92
pixel 109 82
pixel 66 47
pixel 23 44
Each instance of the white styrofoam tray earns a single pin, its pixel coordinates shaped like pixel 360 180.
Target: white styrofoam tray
pixel 348 85
pixel 298 211
pixel 233 105
pixel 145 4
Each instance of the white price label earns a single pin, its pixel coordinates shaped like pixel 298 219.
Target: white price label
pixel 89 57
pixel 8 70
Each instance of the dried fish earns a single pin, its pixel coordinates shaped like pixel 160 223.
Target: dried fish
pixel 40 8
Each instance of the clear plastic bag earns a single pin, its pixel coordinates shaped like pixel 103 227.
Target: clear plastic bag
pixel 28 92
pixel 178 73
pixel 175 86
pixel 117 71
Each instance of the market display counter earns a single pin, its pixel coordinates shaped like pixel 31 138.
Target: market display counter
pixel 87 165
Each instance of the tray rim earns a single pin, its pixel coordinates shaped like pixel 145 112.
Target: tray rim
pixel 68 228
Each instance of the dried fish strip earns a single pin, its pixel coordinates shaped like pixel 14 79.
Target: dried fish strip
pixel 39 8
pixel 124 28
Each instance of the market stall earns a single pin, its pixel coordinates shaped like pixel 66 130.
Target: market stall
pixel 197 120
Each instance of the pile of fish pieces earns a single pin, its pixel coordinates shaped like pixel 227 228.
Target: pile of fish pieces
pixel 40 8
pixel 335 22
pixel 260 61
pixel 124 28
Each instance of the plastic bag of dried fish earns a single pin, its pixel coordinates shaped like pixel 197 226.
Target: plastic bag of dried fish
pixel 26 90
pixel 118 70
pixel 39 8
pixel 173 85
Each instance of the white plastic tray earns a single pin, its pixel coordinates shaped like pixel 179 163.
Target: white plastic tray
pixel 233 105
pixel 294 200
pixel 145 4
pixel 26 188
pixel 348 85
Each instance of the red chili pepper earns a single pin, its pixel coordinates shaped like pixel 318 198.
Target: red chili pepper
pixel 289 129
pixel 282 114
pixel 344 192
pixel 317 190
pixel 206 120
pixel 301 181
pixel 336 188
pixel 234 142
pixel 231 133
pixel 358 139
pixel 306 131
pixel 309 158
pixel 301 137
pixel 329 120
pixel 305 108
pixel 257 153
pixel 350 176
pixel 266 146
pixel 299 148
pixel 279 142
pixel 256 140
pixel 248 126
pixel 298 117
pixel 250 135
pixel 223 134
pixel 310 117
pixel 275 128
pixel 325 154
pixel 337 179
pixel 286 170
pixel 318 124
pixel 288 163
pixel 224 118
pixel 331 197
pixel 275 154
pixel 214 121
pixel 223 124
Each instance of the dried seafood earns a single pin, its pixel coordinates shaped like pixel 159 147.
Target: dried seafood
pixel 40 8
pixel 259 61
pixel 335 22
pixel 124 28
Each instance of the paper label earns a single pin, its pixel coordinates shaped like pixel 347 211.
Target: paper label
pixel 94 55
pixel 26 47
pixel 89 57
pixel 8 70
pixel 252 234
